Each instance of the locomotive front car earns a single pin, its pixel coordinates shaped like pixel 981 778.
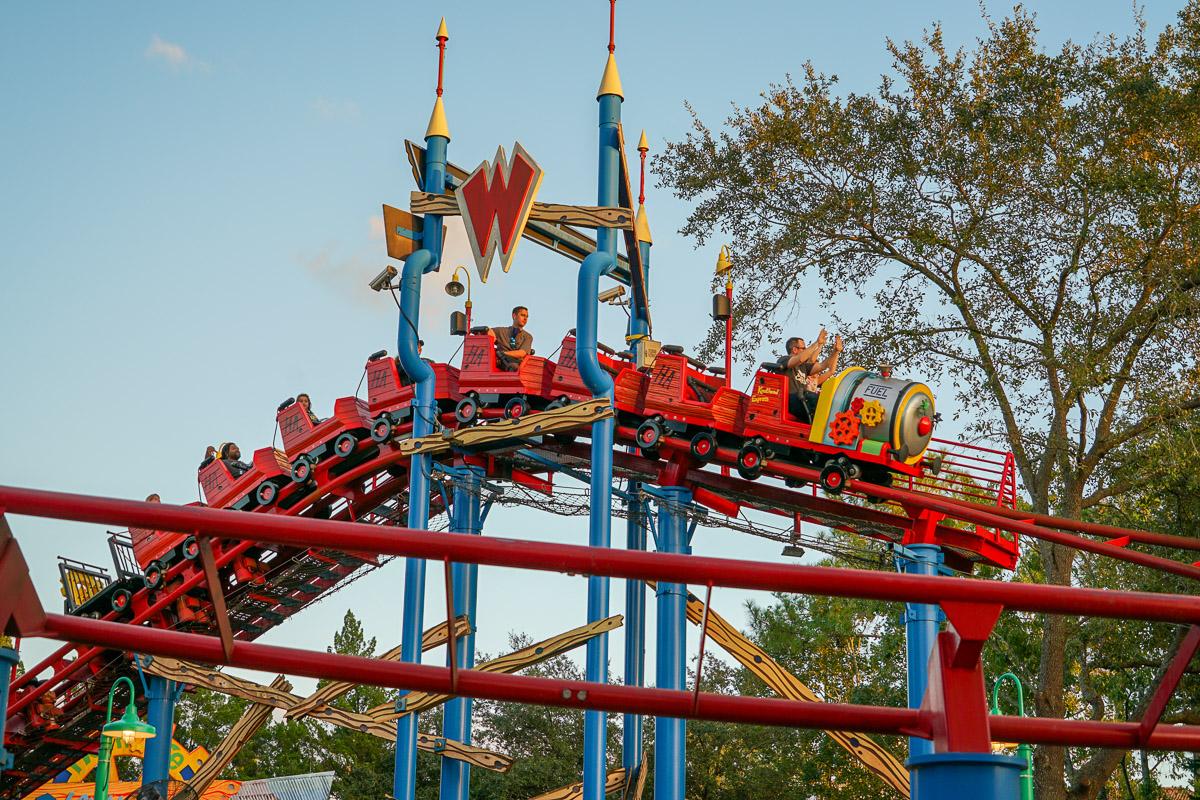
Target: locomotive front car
pixel 887 421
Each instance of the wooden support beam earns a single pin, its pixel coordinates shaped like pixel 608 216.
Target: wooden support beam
pixel 273 697
pixel 512 662
pixel 503 433
pixel 612 782
pixel 217 595
pixel 433 637
pixel 584 216
pixel 873 755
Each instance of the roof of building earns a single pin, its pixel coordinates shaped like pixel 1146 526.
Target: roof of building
pixel 314 786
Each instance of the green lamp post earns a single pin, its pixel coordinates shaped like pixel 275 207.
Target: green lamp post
pixel 127 728
pixel 1024 751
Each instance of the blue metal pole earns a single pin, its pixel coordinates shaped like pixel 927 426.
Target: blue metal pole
pixel 602 261
pixel 424 410
pixel 921 629
pixel 670 734
pixel 160 712
pixel 8 660
pixel 635 630
pixel 950 776
pixel 456 725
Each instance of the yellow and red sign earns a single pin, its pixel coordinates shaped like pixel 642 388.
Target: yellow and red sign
pixel 495 201
pixel 70 783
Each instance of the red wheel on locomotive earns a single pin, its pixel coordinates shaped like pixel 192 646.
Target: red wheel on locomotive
pixel 834 477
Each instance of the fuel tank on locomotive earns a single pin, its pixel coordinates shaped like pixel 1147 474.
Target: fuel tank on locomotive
pixel 876 414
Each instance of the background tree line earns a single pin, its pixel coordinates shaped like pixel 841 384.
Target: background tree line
pixel 1021 225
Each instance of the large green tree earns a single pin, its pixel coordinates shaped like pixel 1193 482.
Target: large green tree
pixel 1023 224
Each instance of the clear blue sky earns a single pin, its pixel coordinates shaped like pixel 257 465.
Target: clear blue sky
pixel 191 206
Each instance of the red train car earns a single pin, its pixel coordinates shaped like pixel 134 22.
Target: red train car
pixel 487 389
pixel 390 394
pixel 673 398
pixel 308 444
pixel 567 384
pixel 260 486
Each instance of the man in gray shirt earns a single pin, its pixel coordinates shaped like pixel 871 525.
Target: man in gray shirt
pixel 513 342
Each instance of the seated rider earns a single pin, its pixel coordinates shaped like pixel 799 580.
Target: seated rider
pixel 798 362
pixel 304 402
pixel 818 374
pixel 232 455
pixel 513 342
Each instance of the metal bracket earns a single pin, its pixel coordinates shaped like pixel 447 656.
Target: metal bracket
pixel 137 660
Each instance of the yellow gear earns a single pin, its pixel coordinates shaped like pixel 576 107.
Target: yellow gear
pixel 871 413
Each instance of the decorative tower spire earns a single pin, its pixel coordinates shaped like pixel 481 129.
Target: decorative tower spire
pixel 437 120
pixel 610 83
pixel 641 224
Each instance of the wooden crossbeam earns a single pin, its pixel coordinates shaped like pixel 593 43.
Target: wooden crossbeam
pixel 512 662
pixel 613 781
pixel 635 785
pixel 252 720
pixel 584 216
pixel 874 756
pixel 434 637
pixel 273 697
pixel 505 432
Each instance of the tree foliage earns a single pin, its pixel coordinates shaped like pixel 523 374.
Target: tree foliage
pixel 1025 226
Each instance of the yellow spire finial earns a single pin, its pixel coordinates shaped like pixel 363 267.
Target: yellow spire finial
pixel 643 145
pixel 723 262
pixel 442 34
pixel 611 82
pixel 641 226
pixel 437 121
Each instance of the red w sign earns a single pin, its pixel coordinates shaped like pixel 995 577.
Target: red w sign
pixel 495 201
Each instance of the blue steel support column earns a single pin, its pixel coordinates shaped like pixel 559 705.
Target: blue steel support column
pixel 456 725
pixel 921 629
pixel 601 262
pixel 635 539
pixel 419 263
pixel 670 734
pixel 635 630
pixel 160 712
pixel 8 659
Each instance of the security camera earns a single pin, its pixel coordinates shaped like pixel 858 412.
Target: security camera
pixel 384 279
pixel 609 295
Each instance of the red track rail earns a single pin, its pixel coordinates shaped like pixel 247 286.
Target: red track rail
pixel 952 593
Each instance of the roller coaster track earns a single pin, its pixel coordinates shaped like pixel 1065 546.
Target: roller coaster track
pixel 371 490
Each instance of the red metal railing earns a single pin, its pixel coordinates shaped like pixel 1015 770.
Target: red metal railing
pixel 970 472
pixel 958 595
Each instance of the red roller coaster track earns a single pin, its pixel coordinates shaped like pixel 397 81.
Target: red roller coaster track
pixel 971 605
